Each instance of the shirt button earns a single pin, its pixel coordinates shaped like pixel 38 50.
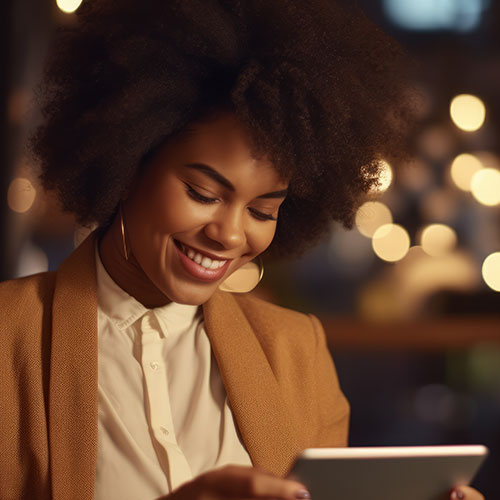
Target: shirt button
pixel 164 430
pixel 154 365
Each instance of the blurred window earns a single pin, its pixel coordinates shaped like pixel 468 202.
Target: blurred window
pixel 432 15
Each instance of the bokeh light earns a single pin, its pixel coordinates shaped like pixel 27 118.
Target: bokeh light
pixel 467 112
pixel 423 275
pixel 463 168
pixel 370 216
pixel 384 178
pixel 491 271
pixel 391 242
pixel 438 239
pixel 485 186
pixel 68 6
pixel 21 195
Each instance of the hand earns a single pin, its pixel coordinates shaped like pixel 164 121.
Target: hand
pixel 239 483
pixel 465 493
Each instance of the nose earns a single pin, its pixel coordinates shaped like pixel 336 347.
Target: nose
pixel 227 229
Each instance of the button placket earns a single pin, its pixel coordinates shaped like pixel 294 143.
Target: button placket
pixel 159 402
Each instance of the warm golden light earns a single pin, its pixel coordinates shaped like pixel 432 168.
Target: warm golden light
pixel 467 112
pixel 68 6
pixel 485 186
pixel 391 242
pixel 384 178
pixel 463 168
pixel 491 271
pixel 438 240
pixel 370 216
pixel 21 195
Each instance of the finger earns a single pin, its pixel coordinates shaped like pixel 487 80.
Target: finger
pixel 238 481
pixel 465 493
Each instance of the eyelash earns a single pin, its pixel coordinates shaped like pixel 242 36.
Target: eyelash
pixel 207 201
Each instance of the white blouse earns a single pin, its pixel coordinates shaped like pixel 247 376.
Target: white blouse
pixel 164 416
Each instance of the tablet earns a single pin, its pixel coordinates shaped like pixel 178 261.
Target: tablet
pixel 387 473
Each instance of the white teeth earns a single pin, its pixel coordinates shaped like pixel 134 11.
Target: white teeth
pixel 203 260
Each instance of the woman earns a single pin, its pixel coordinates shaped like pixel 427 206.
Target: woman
pixel 197 135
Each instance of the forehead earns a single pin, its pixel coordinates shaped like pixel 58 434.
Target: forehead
pixel 222 143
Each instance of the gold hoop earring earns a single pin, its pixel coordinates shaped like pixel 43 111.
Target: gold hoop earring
pixel 244 279
pixel 122 225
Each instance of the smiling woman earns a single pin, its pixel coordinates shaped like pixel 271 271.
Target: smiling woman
pixel 196 135
pixel 200 210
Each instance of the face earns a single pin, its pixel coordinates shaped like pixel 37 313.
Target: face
pixel 203 208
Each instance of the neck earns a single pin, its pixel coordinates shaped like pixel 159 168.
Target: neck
pixel 127 274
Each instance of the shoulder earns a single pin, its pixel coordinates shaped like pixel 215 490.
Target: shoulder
pixel 253 306
pixel 22 300
pixel 279 322
pixel 34 285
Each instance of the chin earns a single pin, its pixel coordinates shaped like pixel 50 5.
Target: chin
pixel 191 297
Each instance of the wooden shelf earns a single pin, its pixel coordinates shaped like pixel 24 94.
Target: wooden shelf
pixel 436 334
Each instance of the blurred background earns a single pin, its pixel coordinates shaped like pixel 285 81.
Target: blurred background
pixel 410 298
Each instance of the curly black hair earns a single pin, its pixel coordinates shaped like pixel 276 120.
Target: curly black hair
pixel 317 86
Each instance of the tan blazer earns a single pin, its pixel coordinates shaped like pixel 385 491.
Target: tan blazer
pixel 274 363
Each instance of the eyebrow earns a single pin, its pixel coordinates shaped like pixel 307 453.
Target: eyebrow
pixel 219 178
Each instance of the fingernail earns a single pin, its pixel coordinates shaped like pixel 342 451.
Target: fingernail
pixel 302 494
pixel 458 495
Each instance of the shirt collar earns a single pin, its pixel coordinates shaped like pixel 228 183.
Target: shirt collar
pixel 124 310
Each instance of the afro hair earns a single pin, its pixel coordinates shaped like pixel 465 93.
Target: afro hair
pixel 318 87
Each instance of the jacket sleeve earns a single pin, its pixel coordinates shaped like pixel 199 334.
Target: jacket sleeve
pixel 332 406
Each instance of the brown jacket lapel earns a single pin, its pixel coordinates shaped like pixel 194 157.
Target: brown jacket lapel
pixel 73 377
pixel 252 389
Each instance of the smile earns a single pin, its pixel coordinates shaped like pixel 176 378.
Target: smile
pixel 200 265
pixel 202 260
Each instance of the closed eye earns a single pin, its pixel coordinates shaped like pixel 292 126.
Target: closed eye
pixel 195 195
pixel 261 215
pixel 198 196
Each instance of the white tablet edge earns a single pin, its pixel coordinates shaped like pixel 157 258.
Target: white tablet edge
pixel 395 451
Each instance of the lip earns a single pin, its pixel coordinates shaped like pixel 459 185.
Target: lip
pixel 198 271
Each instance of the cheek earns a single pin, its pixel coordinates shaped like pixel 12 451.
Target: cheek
pixel 179 214
pixel 261 236
pixel 167 210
